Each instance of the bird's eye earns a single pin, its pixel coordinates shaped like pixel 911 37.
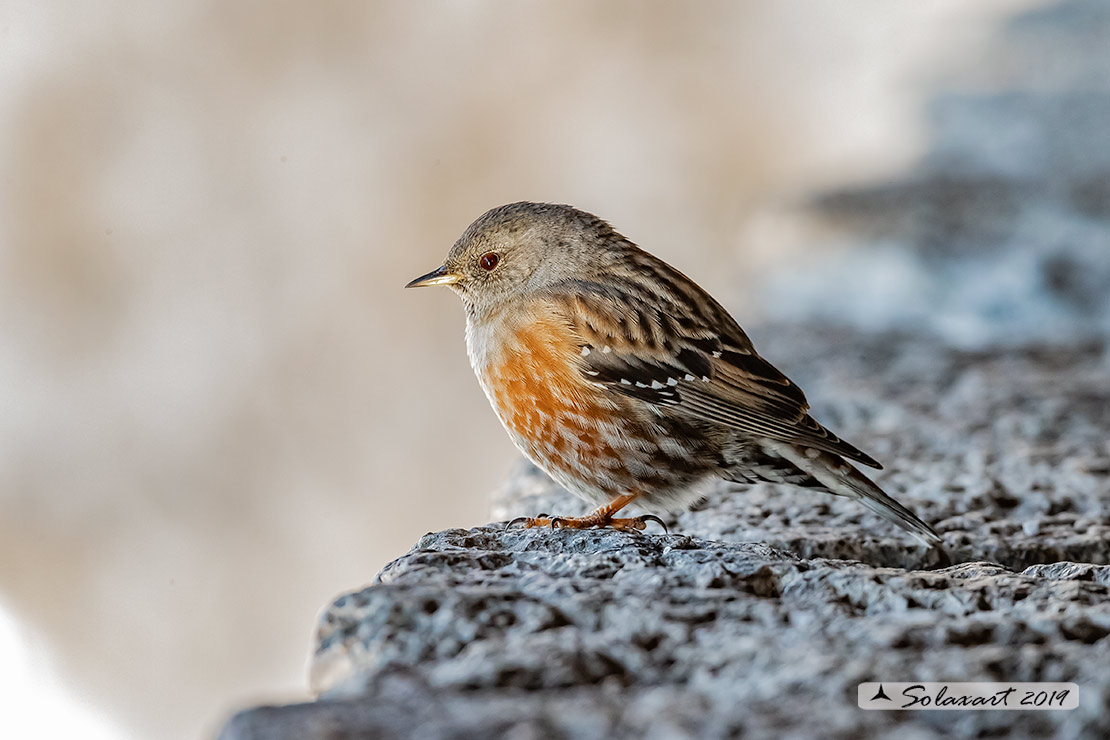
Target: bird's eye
pixel 489 261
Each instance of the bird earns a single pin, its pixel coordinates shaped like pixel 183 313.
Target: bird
pixel 625 381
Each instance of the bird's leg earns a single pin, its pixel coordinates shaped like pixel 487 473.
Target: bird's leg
pixel 601 517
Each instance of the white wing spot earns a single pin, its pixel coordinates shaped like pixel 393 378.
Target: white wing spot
pixel 591 372
pixel 672 382
pixel 585 351
pixel 641 385
pixel 656 385
pixel 716 355
pixel 606 350
pixel 689 377
pixel 705 378
pixel 625 382
pixel 812 454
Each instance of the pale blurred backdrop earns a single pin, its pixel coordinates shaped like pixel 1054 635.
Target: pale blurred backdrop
pixel 218 408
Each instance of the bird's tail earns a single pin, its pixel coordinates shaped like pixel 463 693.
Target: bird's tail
pixel 841 478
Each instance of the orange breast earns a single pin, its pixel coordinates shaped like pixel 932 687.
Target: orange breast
pixel 550 410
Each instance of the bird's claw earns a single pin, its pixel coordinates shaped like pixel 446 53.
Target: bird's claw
pixel 538 520
pixel 652 518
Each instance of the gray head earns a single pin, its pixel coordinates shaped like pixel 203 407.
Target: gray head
pixel 522 248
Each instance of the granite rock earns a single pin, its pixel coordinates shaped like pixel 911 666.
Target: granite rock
pixel 760 612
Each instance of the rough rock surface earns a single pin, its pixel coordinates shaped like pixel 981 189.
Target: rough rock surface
pixel 763 610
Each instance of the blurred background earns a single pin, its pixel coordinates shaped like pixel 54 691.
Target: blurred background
pixel 218 408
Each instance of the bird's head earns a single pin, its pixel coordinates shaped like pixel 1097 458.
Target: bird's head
pixel 520 249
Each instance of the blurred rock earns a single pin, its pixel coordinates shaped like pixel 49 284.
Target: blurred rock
pixel 1001 233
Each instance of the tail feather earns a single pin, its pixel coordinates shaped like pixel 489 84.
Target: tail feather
pixel 839 477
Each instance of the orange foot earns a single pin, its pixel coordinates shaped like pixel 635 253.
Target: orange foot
pixel 600 518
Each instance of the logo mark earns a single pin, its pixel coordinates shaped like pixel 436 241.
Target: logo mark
pixel 880 694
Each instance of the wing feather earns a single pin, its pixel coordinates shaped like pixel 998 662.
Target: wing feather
pixel 689 360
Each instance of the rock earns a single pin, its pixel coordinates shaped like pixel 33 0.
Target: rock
pixel 762 610
pixel 488 632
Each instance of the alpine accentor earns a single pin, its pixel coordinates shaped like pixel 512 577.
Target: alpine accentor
pixel 625 381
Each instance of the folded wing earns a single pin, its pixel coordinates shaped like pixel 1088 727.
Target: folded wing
pixel 685 355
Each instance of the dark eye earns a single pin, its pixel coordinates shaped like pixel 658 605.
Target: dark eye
pixel 489 261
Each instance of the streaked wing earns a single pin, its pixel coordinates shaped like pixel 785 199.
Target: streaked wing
pixel 682 352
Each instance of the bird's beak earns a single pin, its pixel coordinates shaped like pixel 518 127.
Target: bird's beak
pixel 438 276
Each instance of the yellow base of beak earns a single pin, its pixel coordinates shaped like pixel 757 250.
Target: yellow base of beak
pixel 438 276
